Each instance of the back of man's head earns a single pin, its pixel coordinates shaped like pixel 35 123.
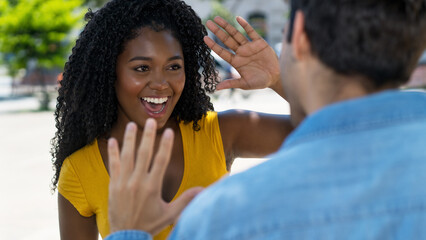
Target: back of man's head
pixel 379 39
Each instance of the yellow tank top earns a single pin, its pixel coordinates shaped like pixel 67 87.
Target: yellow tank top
pixel 84 179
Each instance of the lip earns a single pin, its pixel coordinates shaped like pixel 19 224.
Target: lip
pixel 156 114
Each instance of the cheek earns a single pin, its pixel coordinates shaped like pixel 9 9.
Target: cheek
pixel 129 84
pixel 126 91
pixel 178 83
pixel 122 88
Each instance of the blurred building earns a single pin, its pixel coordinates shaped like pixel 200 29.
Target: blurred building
pixel 268 17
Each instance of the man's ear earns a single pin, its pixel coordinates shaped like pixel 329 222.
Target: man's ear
pixel 300 41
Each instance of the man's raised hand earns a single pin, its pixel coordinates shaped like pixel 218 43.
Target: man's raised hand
pixel 135 200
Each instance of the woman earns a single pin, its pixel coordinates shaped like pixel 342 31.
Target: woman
pixel 136 60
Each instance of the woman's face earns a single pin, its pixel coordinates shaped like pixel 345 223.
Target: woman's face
pixel 150 77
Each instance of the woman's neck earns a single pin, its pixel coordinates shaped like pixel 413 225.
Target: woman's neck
pixel 118 129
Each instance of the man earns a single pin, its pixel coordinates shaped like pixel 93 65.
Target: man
pixel 355 166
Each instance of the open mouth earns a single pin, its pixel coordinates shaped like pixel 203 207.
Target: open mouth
pixel 154 105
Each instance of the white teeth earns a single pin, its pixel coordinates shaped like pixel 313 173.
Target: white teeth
pixel 155 100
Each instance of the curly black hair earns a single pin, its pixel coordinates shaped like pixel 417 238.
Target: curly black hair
pixel 87 105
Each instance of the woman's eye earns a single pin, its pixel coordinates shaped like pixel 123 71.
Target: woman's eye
pixel 175 67
pixel 142 68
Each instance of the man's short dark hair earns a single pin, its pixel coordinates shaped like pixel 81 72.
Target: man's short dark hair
pixel 379 39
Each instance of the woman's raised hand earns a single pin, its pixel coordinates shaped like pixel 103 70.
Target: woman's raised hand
pixel 254 60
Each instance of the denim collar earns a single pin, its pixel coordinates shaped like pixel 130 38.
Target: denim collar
pixel 373 111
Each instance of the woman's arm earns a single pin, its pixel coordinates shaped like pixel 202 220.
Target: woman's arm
pixel 252 134
pixel 74 226
pixel 246 133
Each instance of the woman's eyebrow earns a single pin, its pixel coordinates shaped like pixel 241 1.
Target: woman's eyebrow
pixel 140 58
pixel 177 57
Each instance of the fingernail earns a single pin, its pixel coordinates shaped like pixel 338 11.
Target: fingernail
pixel 150 123
pixel 168 133
pixel 111 142
pixel 130 126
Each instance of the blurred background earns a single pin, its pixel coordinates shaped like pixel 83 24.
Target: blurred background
pixel 36 37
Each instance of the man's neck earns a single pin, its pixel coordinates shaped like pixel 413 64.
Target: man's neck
pixel 329 87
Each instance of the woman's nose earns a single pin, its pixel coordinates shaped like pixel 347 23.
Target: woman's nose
pixel 158 82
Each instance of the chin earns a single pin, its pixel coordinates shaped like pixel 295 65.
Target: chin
pixel 161 123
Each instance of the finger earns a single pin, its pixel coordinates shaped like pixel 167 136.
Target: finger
pixel 113 159
pixel 231 83
pixel 146 146
pixel 162 158
pixel 248 28
pixel 128 149
pixel 177 206
pixel 222 52
pixel 226 38
pixel 239 37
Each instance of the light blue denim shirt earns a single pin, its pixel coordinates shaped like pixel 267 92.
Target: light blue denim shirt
pixel 353 170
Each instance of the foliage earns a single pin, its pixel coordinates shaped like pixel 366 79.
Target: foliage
pixel 219 10
pixel 37 31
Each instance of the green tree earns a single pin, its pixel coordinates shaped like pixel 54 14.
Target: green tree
pixel 37 32
pixel 218 9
